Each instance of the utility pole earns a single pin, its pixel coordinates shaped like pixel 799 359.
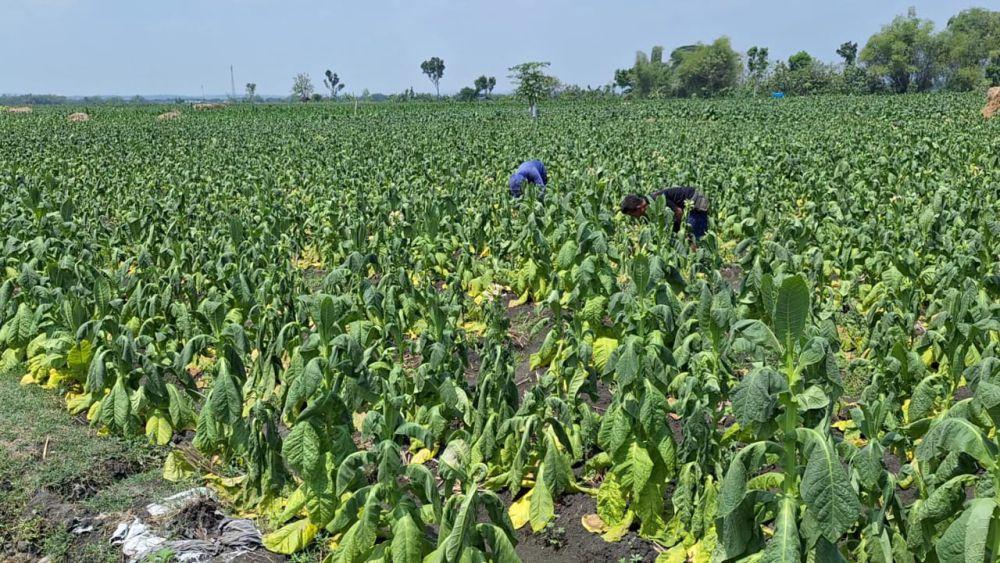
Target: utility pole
pixel 232 81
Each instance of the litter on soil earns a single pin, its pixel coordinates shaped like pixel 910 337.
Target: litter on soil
pixel 565 540
pixel 190 526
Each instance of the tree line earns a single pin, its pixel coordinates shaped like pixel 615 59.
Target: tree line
pixel 906 55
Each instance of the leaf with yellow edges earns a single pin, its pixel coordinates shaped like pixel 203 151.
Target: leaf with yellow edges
pixel 292 538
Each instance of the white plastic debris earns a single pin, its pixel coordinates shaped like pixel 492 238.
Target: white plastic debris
pixel 180 501
pixel 136 539
pixel 232 537
pixel 80 530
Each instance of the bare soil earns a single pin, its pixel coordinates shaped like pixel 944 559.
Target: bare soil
pixel 567 541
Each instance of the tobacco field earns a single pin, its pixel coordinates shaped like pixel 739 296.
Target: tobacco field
pixel 340 320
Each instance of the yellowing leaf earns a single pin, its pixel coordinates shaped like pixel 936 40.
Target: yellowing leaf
pixel 730 432
pixel 928 357
pixel 28 379
pixel 421 457
pixel 77 402
pixel 844 425
pixel 358 419
pixel 475 327
pixel 293 537
pixel 519 510
pixel 177 468
pixel 616 533
pixel 333 543
pixel 56 378
pixel 159 430
pixel 94 410
pixel 603 347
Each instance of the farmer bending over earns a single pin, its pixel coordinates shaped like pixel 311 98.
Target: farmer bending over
pixel 676 198
pixel 532 171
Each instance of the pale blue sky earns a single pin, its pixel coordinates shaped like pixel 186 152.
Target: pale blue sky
pixel 124 47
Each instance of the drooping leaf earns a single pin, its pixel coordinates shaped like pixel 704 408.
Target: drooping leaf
pixel 291 538
pixel 785 546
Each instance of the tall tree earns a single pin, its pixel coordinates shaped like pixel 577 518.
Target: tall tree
pixel 481 84
pixel 905 53
pixel 491 83
pixel 333 83
pixel 707 70
pixel 652 75
pixel 251 90
pixel 757 64
pixel 624 80
pixel 799 61
pixel 434 69
pixel 971 45
pixel 532 84
pixel 302 87
pixel 849 52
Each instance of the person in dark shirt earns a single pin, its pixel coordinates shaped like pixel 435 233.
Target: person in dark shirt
pixel 531 171
pixel 676 198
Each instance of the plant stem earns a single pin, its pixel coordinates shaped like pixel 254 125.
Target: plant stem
pixel 789 426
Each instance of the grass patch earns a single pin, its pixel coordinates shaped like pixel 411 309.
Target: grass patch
pixel 55 468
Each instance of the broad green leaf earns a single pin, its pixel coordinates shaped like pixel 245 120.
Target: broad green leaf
pixel 812 398
pixel 225 397
pixel 501 547
pixel 958 435
pixel 541 509
pixel 180 408
pixel 303 386
pixel 756 396
pixel 785 546
pixel 826 488
pixel 945 501
pixel 653 410
pixel 464 521
pixel 734 486
pixel 79 357
pixel 302 448
pixel 357 543
pixel 119 400
pixel 965 539
pixel 558 472
pixel 924 397
pixel 791 311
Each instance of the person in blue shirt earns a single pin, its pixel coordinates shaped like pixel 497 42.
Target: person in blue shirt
pixel 531 171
